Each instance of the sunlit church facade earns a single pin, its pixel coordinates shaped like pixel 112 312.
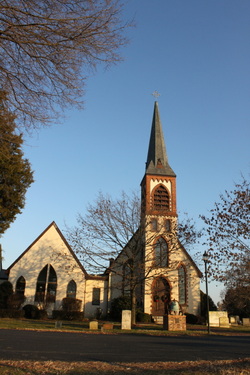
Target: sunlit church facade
pixel 48 270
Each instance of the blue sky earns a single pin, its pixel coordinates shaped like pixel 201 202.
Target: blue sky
pixel 196 54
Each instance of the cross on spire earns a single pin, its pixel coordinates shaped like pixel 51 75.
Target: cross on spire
pixel 156 94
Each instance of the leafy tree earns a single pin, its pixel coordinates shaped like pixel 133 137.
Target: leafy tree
pixel 49 47
pixel 112 230
pixel 228 232
pixel 15 171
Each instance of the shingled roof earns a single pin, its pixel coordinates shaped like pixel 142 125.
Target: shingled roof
pixel 157 160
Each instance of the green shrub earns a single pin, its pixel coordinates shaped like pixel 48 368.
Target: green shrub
pixel 143 317
pixel 119 304
pixel 67 315
pixel 31 312
pixel 191 319
pixel 10 313
pixel 15 301
pixel 6 291
pixel 71 304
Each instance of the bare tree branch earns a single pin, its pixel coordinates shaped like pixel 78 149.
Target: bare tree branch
pixel 48 47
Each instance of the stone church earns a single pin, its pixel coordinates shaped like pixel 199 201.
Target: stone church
pixel 48 270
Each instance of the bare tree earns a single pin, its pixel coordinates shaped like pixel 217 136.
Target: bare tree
pixel 113 231
pixel 47 49
pixel 228 231
pixel 236 296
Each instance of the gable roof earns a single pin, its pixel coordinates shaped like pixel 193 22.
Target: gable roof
pixel 200 274
pixel 53 224
pixel 135 236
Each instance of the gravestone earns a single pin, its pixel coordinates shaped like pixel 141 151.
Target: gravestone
pixel 58 324
pixel 107 326
pixel 126 319
pixel 246 321
pixel 214 318
pixel 93 325
pixel 223 321
pixel 232 320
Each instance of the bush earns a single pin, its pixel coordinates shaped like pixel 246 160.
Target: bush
pixel 6 291
pixel 31 312
pixel 15 301
pixel 71 304
pixel 119 304
pixel 143 317
pixel 10 313
pixel 191 319
pixel 67 315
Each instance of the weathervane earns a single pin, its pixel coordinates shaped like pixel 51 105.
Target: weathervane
pixel 156 94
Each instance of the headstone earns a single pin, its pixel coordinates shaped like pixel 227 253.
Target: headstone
pixel 93 325
pixel 58 324
pixel 107 326
pixel 232 320
pixel 237 319
pixel 214 317
pixel 246 321
pixel 224 323
pixel 126 319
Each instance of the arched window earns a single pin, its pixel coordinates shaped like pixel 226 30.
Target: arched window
pixel 161 199
pixel 71 289
pixel 182 284
pixel 46 285
pixel 20 285
pixel 161 253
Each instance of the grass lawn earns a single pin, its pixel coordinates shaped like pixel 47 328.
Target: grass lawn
pixel 226 367
pixel 138 328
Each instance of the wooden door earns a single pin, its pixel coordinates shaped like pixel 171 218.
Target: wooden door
pixel 160 296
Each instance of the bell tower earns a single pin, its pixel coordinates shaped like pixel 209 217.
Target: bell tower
pixel 158 186
pixel 159 222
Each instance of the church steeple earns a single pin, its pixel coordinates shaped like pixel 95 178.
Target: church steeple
pixel 157 160
pixel 158 186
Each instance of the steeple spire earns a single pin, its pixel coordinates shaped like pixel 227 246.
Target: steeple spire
pixel 157 160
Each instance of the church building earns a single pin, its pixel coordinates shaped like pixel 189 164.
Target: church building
pixel 163 271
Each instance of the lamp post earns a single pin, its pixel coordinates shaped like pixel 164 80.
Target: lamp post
pixel 205 259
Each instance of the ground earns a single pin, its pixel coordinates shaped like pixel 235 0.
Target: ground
pixel 225 367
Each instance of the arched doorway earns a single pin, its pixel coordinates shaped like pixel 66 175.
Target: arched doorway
pixel 160 296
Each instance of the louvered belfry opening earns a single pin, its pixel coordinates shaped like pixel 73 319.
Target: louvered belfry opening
pixel 161 199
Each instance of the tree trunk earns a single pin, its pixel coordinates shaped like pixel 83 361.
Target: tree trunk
pixel 133 307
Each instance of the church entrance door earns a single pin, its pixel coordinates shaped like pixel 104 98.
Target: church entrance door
pixel 161 296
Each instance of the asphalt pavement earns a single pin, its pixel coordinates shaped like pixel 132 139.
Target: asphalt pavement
pixel 67 346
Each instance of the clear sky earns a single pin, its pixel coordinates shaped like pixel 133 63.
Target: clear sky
pixel 196 54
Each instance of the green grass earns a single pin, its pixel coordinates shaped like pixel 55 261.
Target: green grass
pixel 152 329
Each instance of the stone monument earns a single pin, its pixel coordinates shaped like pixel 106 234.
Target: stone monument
pixel 126 319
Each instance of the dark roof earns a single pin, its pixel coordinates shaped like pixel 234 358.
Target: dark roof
pixel 157 160
pixel 3 275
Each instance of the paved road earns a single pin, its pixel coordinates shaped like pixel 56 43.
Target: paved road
pixel 64 346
